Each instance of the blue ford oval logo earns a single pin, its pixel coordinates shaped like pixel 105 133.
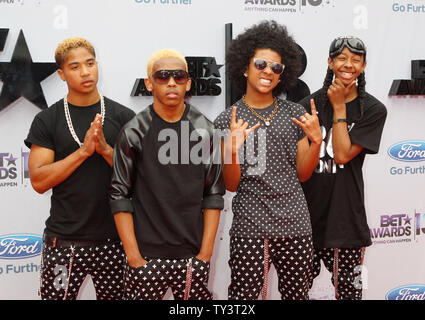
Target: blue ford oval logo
pixel 409 292
pixel 20 246
pixel 410 151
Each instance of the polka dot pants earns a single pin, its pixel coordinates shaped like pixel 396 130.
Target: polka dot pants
pixel 345 266
pixel 63 270
pixel 187 278
pixel 250 261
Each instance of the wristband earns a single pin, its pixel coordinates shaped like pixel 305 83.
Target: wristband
pixel 339 120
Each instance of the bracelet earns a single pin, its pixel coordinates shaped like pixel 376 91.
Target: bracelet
pixel 339 120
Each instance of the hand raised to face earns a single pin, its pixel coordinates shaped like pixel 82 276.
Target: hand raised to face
pixel 338 93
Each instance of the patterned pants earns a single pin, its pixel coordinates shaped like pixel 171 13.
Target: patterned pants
pixel 63 270
pixel 345 266
pixel 250 263
pixel 187 278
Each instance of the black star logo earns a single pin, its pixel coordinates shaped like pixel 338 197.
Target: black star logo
pixel 21 76
pixel 211 67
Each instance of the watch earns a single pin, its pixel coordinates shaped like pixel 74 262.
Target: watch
pixel 339 120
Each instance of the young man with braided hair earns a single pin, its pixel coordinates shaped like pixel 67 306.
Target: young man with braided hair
pixel 166 203
pixel 271 222
pixel 71 153
pixel 352 121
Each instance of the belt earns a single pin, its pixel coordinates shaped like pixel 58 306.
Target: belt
pixel 56 242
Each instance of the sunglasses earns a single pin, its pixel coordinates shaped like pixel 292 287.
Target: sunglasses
pixel 163 76
pixel 354 44
pixel 261 64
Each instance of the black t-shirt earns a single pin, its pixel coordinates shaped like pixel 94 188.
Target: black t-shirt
pixel 79 205
pixel 335 193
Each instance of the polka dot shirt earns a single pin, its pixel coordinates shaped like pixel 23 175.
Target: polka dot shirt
pixel 269 201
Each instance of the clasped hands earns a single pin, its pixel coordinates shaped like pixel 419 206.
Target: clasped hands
pixel 95 141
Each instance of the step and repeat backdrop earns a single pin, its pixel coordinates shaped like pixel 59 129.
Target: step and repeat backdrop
pixel 126 32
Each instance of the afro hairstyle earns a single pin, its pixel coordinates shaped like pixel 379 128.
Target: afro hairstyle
pixel 265 35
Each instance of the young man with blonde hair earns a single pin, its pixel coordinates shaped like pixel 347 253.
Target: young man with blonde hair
pixel 165 198
pixel 71 154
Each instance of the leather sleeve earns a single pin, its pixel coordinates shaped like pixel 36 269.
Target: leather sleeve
pixel 214 188
pixel 120 190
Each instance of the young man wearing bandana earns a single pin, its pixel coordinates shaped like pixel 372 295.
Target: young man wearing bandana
pixel 271 223
pixel 352 121
pixel 166 200
pixel 71 153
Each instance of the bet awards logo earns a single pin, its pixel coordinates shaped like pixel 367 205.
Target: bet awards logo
pixel 393 229
pixel 283 6
pixel 204 73
pixel 398 228
pixel 415 86
pixel 9 169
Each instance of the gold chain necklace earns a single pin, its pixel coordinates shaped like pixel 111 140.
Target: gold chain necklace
pixel 265 120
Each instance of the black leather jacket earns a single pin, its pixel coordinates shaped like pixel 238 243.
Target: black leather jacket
pixel 154 223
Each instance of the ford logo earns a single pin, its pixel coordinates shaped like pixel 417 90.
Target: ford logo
pixel 410 151
pixel 20 246
pixel 409 292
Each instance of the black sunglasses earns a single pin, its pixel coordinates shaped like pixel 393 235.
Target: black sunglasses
pixel 261 64
pixel 354 44
pixel 163 76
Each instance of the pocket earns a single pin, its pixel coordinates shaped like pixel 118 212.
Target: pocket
pixel 200 271
pixel 138 269
pixel 201 266
pixel 202 262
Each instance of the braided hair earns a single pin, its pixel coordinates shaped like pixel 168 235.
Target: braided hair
pixel 323 98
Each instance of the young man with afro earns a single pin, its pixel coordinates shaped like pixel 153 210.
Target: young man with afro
pixel 271 222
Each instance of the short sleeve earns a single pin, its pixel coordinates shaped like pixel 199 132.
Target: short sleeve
pixel 222 122
pixel 297 111
pixel 368 131
pixel 40 132
pixel 126 116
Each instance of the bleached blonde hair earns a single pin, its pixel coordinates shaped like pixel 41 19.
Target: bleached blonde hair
pixel 63 49
pixel 165 53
